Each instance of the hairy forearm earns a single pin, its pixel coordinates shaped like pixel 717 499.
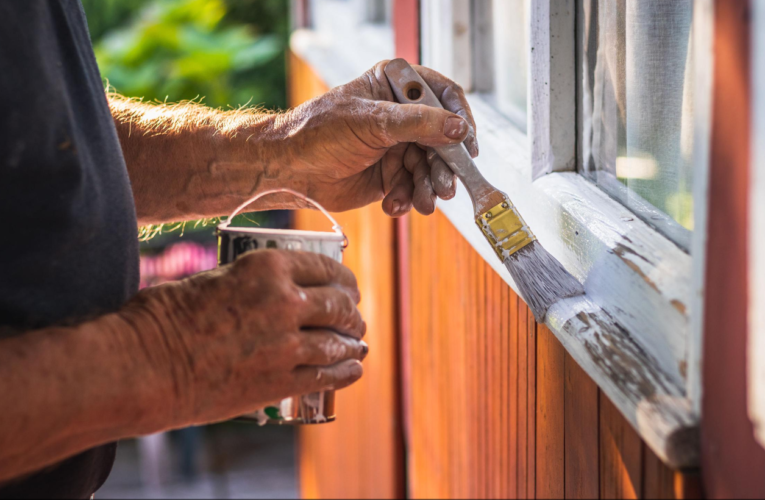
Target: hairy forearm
pixel 188 161
pixel 65 390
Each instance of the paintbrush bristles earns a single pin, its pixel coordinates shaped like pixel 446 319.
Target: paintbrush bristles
pixel 541 279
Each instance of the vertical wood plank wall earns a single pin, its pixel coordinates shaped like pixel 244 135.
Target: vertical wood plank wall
pixel 497 408
pixel 360 455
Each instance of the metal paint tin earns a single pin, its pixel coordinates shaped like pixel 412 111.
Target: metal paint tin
pixel 318 407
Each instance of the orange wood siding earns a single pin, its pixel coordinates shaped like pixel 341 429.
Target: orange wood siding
pixel 360 455
pixel 499 409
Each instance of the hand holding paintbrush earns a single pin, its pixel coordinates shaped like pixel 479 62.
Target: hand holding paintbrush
pixel 540 278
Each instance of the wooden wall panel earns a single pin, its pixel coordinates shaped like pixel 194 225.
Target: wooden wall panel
pixel 361 454
pixel 550 425
pixel 581 432
pixel 621 455
pixel 522 419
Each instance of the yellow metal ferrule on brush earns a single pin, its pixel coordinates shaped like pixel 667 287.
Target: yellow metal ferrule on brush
pixel 505 229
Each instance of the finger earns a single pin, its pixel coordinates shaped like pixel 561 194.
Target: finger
pixel 332 309
pixel 444 180
pixel 307 379
pixel 313 269
pixel 398 201
pixel 424 198
pixel 453 98
pixel 455 101
pixel 419 123
pixel 325 348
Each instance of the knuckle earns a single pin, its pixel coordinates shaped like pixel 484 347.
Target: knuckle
pixel 277 260
pixel 329 267
pixel 291 296
pixel 292 345
pixel 247 262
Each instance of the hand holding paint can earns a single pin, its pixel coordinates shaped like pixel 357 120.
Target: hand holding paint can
pixel 314 408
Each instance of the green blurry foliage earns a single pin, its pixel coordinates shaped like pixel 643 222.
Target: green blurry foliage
pixel 226 52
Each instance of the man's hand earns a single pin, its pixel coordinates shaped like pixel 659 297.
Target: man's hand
pixel 218 345
pixel 271 325
pixel 346 149
pixel 355 145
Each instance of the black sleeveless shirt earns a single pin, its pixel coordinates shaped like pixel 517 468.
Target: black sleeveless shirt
pixel 69 248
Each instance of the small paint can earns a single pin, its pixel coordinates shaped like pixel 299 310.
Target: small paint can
pixel 318 407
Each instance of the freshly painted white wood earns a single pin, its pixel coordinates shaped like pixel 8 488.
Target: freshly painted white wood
pixel 703 34
pixel 552 86
pixel 756 347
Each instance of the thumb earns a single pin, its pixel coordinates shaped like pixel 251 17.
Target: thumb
pixel 422 124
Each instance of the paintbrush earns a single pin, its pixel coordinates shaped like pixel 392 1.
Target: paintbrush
pixel 541 279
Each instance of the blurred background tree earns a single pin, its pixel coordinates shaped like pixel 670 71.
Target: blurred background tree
pixel 226 52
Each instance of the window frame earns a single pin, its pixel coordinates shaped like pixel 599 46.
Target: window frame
pixel 344 53
pixel 649 287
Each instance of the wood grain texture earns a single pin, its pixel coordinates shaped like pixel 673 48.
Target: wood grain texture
pixel 581 432
pixel 658 480
pixel 524 387
pixel 550 425
pixel 361 454
pixel 621 460
pixel 532 357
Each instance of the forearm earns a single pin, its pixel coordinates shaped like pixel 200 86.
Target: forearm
pixel 65 390
pixel 188 161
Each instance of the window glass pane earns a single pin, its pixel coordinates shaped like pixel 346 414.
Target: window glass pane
pixel 637 107
pixel 510 47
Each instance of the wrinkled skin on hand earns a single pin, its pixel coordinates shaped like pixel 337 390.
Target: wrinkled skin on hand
pixel 271 325
pixel 355 145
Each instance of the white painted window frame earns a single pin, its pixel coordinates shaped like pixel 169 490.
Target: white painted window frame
pixel 756 347
pixel 342 45
pixel 651 289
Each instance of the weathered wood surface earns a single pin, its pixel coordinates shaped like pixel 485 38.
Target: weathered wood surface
pixel 361 454
pixel 561 436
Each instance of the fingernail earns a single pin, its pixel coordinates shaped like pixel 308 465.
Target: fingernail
pixel 455 127
pixel 364 348
pixel 395 208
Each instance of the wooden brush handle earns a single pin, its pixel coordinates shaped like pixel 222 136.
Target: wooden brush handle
pixel 410 88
